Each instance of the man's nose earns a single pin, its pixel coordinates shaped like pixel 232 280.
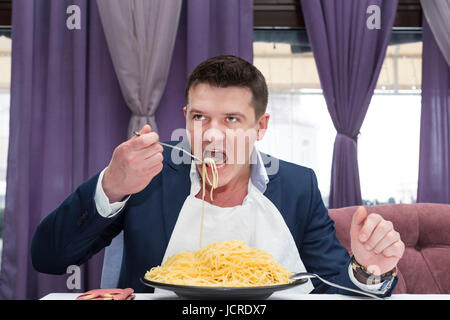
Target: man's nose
pixel 214 132
pixel 213 135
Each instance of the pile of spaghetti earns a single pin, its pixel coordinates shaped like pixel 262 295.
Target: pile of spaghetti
pixel 221 264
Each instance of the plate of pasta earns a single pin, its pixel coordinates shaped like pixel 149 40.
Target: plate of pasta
pixel 222 270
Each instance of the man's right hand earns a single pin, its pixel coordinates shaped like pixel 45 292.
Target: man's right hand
pixel 133 165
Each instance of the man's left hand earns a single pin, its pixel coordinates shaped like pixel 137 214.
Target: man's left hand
pixel 375 244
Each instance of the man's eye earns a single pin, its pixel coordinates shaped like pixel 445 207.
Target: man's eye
pixel 232 119
pixel 198 117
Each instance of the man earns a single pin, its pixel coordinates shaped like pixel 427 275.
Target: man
pixel 156 199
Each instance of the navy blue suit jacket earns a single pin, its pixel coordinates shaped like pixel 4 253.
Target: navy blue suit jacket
pixel 75 231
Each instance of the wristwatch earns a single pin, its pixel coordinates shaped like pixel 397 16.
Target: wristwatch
pixel 361 274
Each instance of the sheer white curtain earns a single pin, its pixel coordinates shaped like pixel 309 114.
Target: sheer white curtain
pixel 141 37
pixel 437 13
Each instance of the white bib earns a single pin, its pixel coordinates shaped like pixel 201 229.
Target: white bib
pixel 257 222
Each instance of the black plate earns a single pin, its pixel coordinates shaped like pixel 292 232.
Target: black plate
pixel 209 293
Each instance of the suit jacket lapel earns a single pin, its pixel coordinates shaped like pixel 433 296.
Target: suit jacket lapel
pixel 273 191
pixel 176 186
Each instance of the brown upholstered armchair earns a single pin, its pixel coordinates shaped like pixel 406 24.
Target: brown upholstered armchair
pixel 425 230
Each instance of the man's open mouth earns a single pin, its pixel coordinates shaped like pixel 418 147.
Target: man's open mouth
pixel 218 156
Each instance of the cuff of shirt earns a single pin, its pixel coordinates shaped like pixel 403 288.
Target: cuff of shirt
pixel 104 208
pixel 371 288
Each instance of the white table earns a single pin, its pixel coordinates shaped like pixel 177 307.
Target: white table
pixel 275 296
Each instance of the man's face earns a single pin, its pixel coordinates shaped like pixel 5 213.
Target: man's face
pixel 221 124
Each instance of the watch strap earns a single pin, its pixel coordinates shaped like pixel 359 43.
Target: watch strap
pixel 361 274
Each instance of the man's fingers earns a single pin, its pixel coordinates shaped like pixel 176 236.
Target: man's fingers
pixel 154 167
pixel 146 129
pixel 394 250
pixel 154 159
pixel 359 216
pixel 144 159
pixel 149 151
pixel 144 141
pixel 147 161
pixel 390 238
pixel 380 232
pixel 369 226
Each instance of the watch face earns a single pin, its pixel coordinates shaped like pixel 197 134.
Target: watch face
pixel 386 285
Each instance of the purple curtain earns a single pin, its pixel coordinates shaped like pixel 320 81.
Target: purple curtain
pixel 348 57
pixel 206 29
pixel 434 158
pixel 67 115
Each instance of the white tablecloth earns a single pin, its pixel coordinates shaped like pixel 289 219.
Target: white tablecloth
pixel 275 296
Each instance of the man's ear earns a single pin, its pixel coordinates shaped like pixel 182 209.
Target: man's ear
pixel 185 111
pixel 263 123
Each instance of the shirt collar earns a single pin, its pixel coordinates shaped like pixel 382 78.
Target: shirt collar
pixel 258 174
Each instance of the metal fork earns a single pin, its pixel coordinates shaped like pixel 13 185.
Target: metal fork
pixel 173 147
pixel 309 275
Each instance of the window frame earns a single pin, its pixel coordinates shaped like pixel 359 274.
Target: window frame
pixel 288 14
pixel 5 12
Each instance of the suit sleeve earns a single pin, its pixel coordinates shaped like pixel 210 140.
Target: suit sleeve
pixel 72 233
pixel 321 251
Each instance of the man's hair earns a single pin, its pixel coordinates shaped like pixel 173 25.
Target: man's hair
pixel 231 71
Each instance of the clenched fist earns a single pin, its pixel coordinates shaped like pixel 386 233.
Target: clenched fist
pixel 133 165
pixel 375 243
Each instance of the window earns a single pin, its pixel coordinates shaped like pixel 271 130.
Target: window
pixel 300 128
pixel 5 78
